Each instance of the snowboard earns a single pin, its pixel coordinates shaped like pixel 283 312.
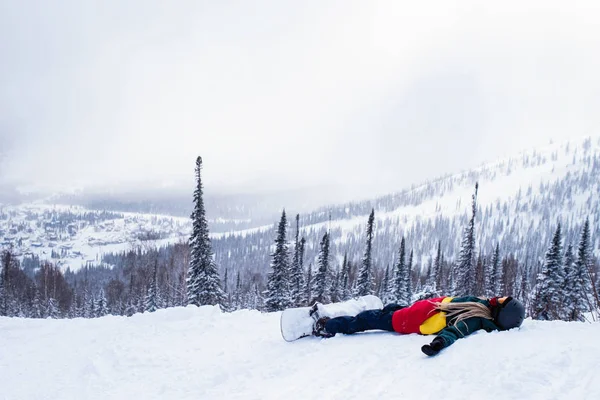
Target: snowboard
pixel 297 322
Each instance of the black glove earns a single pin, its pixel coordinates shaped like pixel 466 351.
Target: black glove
pixel 434 347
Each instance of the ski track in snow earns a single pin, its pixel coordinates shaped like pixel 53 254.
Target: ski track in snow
pixel 201 353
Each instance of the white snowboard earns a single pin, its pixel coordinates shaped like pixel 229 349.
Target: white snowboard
pixel 297 323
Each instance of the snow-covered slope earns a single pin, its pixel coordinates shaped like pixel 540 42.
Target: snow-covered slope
pixel 520 201
pixel 200 353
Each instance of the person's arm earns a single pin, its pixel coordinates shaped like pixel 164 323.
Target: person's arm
pixel 451 334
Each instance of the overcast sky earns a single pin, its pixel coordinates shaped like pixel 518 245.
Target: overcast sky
pixel 274 94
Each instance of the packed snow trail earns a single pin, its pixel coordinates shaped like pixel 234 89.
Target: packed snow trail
pixel 200 353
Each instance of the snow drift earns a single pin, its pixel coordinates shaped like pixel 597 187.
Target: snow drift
pixel 202 353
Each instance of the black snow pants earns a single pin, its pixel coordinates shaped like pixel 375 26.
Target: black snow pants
pixel 364 321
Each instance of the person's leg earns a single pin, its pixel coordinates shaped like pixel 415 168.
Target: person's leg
pixel 364 321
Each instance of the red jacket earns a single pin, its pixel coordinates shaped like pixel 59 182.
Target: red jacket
pixel 420 317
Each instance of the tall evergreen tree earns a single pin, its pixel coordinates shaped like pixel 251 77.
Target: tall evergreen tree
pixel 491 276
pixel 153 301
pixel 7 262
pixel 297 272
pixel 229 306
pixel 435 273
pixel 102 305
pixel 580 282
pixel 549 294
pixel 400 290
pixel 385 285
pixel 567 289
pixel 238 292
pixel 309 285
pixel 408 284
pixel 322 279
pixel 365 278
pixel 278 291
pixel 203 283
pixel 464 284
pixel 334 292
pixel 52 309
pixel 344 280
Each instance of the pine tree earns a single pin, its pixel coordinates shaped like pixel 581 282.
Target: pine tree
pixel 153 301
pixel 400 291
pixel 297 273
pixel 385 285
pixel 568 289
pixel 238 292
pixel 322 279
pixel 491 277
pixel 101 305
pixel 365 278
pixel 580 281
pixel 408 283
pixel 464 284
pixel 344 284
pixel 435 273
pixel 36 308
pixel 7 262
pixel 90 307
pixel 309 284
pixel 549 296
pixel 203 283
pixel 52 309
pixel 278 292
pixel 334 292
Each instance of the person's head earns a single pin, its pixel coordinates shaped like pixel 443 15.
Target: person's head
pixel 509 313
pixel 505 312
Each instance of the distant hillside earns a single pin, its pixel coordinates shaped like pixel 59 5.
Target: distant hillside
pixel 520 201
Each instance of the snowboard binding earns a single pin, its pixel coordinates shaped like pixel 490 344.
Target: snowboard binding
pixel 319 323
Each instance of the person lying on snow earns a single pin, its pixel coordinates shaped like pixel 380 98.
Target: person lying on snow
pixel 448 317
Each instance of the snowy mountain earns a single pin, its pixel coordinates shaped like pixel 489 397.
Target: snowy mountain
pixel 201 353
pixel 520 200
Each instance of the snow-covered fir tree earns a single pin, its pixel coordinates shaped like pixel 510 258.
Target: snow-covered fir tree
pixel 89 306
pixel 491 276
pixel 37 309
pixel 153 300
pixel 238 292
pixel 464 284
pixel 309 284
pixel 334 292
pixel 322 279
pixel 8 261
pixel 52 309
pixel 297 272
pixel 101 305
pixel 278 290
pixel 408 283
pixel 365 277
pixel 400 290
pixel 580 284
pixel 229 296
pixel 549 291
pixel 345 291
pixel 433 280
pixel 203 282
pixel 567 289
pixel 384 292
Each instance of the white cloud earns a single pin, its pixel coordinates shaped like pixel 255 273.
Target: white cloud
pixel 377 94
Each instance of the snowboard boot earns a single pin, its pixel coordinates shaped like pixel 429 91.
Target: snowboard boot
pixel 319 328
pixel 319 324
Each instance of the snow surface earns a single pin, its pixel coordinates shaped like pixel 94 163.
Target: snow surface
pixel 201 353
